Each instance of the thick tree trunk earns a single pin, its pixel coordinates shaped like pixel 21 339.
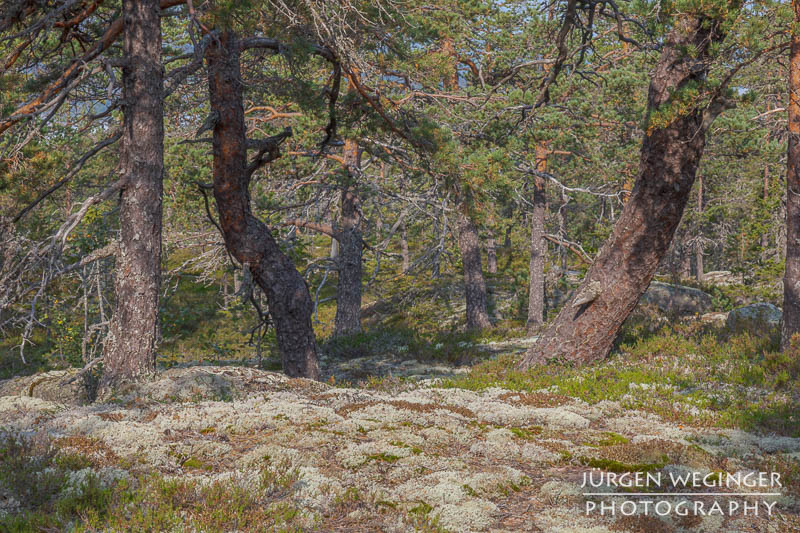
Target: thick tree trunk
pixel 698 247
pixel 586 327
pixel 247 238
pixel 474 283
pixel 491 255
pixel 538 246
pixel 348 290
pixel 130 349
pixel 791 277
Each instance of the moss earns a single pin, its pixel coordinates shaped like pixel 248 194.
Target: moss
pixel 421 508
pixel 608 438
pixel 528 433
pixel 194 463
pixel 383 456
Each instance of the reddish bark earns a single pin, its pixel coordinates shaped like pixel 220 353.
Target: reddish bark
pixel 791 277
pixel 247 238
pixel 587 326
pixel 538 245
pixel 351 247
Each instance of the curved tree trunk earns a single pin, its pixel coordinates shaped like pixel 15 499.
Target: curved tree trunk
pixel 130 349
pixel 791 277
pixel 586 327
pixel 247 238
pixel 474 284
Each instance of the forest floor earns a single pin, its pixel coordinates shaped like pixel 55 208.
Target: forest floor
pixel 417 427
pixel 224 448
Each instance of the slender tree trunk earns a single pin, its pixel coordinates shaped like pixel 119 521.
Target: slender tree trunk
pixel 246 237
pixel 474 283
pixel 468 240
pixel 351 247
pixel 130 349
pixel 586 327
pixel 791 277
pixel 348 290
pixel 538 246
pixel 765 236
pixel 491 255
pixel 698 247
pixel 404 249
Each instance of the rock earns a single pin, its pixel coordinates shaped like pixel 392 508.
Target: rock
pixel 722 278
pixel 755 318
pixel 676 299
pixel 50 386
pixel 714 318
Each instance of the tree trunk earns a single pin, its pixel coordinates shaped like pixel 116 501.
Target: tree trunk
pixel 765 235
pixel 698 247
pixel 586 327
pixel 791 277
pixel 491 255
pixel 474 283
pixel 348 290
pixel 468 240
pixel 404 249
pixel 130 349
pixel 247 238
pixel 538 246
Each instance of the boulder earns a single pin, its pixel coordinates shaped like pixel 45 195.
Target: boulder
pixel 55 386
pixel 722 278
pixel 754 318
pixel 676 299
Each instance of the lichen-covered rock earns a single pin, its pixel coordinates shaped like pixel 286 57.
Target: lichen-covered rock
pixel 676 299
pixel 55 386
pixel 757 319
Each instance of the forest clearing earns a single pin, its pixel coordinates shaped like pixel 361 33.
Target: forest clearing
pixel 391 265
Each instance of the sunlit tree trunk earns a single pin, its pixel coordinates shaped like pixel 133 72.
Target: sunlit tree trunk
pixel 698 247
pixel 586 327
pixel 130 348
pixel 348 290
pixel 538 245
pixel 247 238
pixel 791 277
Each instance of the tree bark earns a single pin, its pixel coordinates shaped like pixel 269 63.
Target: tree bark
pixel 491 255
pixel 348 290
pixel 538 246
pixel 698 247
pixel 791 277
pixel 587 326
pixel 130 349
pixel 474 283
pixel 404 248
pixel 468 239
pixel 247 238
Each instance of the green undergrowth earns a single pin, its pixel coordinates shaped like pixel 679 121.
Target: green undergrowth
pixel 58 491
pixel 686 373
